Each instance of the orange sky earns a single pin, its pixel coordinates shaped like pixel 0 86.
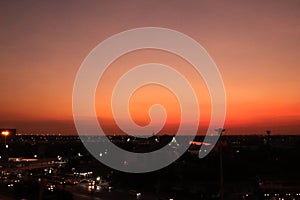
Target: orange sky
pixel 255 45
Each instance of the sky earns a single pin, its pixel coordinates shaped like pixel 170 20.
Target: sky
pixel 255 45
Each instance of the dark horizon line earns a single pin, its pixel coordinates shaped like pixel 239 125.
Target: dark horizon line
pixel 160 135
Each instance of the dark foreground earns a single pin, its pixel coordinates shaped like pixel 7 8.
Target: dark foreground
pixel 253 167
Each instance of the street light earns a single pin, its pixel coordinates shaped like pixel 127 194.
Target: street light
pixel 5 134
pixel 221 131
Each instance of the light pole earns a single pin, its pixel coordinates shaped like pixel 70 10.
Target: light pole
pixel 221 131
pixel 5 134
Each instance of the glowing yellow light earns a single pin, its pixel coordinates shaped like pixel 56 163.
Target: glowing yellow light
pixel 5 133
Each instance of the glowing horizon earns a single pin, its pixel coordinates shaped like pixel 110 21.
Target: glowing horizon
pixel 43 45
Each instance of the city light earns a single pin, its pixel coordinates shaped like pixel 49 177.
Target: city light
pixel 5 133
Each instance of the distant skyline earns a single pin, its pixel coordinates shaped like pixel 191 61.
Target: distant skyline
pixel 255 45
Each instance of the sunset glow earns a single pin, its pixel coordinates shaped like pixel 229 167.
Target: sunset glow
pixel 255 45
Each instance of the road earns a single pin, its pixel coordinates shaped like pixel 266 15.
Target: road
pixel 80 192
